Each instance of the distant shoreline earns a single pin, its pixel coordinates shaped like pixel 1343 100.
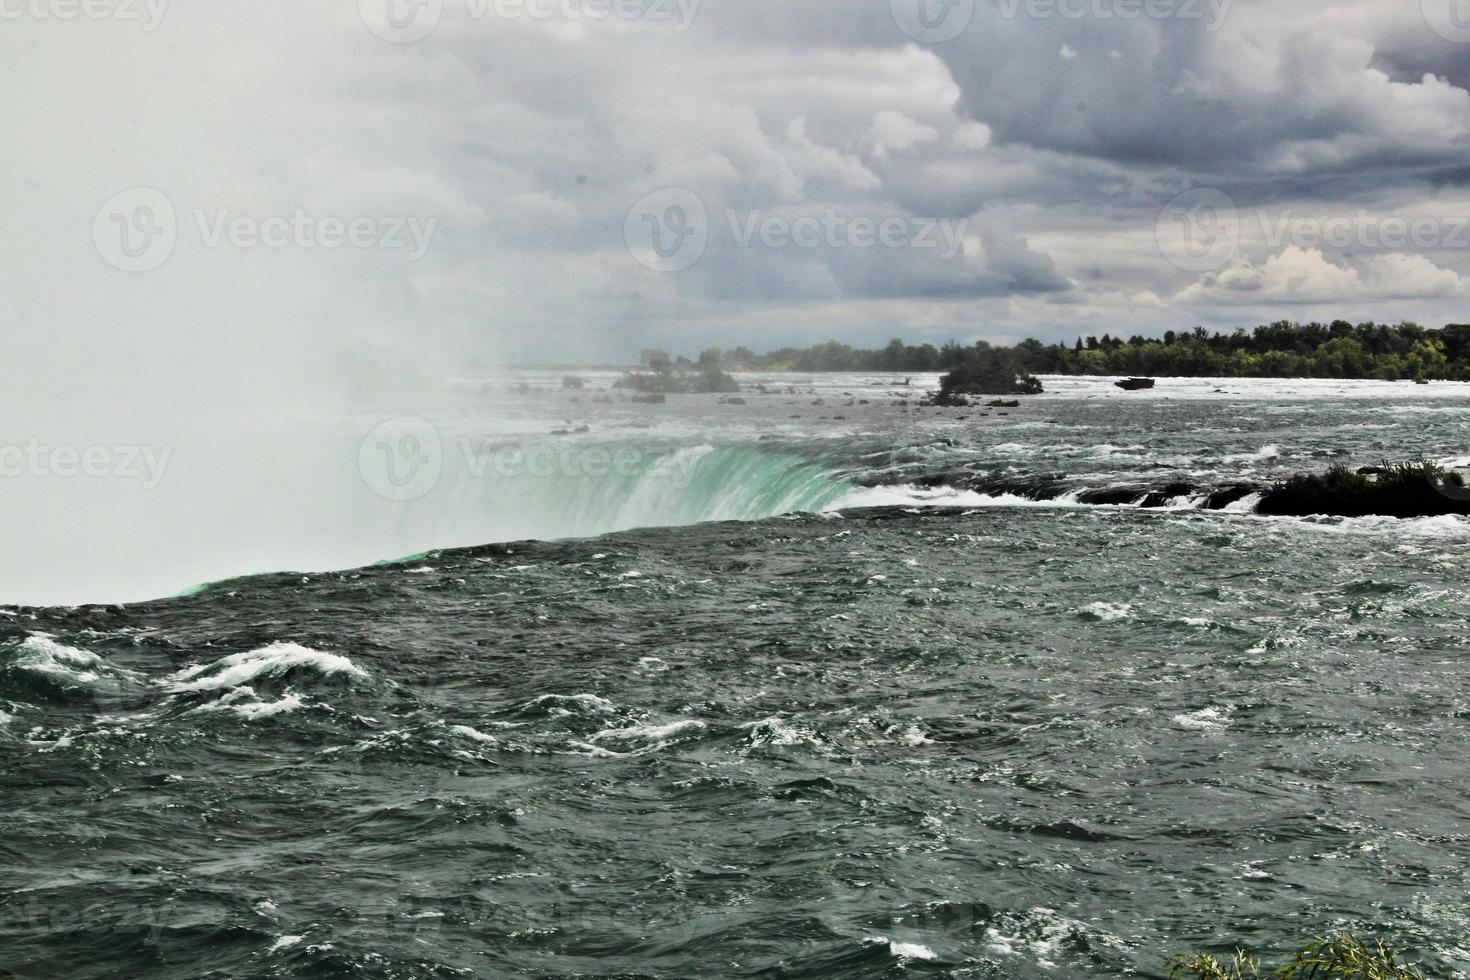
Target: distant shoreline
pixel 1338 351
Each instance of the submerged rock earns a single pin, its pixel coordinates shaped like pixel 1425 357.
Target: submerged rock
pixel 1407 490
pixel 1112 496
pixel 1220 499
pixel 1162 498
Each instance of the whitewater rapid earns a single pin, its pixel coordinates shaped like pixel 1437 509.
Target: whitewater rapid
pixel 515 456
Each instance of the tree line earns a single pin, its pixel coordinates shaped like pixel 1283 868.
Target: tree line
pixel 1402 352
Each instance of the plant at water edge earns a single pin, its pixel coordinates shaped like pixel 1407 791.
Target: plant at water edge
pixel 1336 958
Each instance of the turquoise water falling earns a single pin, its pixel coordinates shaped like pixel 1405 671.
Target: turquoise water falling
pixel 659 486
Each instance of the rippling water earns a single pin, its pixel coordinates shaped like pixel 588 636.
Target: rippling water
pixel 913 738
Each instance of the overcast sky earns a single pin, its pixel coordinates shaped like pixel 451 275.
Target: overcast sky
pixel 291 187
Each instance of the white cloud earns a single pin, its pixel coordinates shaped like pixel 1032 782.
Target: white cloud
pixel 972 136
pixel 1299 275
pixel 895 131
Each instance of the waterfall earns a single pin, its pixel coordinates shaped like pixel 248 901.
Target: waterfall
pixel 567 495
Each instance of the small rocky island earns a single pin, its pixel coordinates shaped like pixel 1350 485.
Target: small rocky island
pixel 986 371
pixel 1414 489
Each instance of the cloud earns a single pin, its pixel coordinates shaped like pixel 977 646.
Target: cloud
pixel 1271 89
pixel 1056 139
pixel 1299 275
pixel 895 131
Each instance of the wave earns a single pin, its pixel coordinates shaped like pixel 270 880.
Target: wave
pixel 272 662
pixel 39 654
pixel 1259 456
pixel 40 667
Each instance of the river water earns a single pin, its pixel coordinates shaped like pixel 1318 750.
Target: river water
pixel 793 688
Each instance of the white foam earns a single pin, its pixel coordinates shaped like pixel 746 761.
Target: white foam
pixel 556 701
pixel 40 654
pixel 1447 525
pixel 912 951
pixel 285 942
pixel 1444 526
pixel 1245 505
pixel 1108 612
pixel 1272 451
pixel 595 751
pixel 243 701
pixel 474 735
pixel 778 731
pixel 241 669
pixel 1106 449
pixel 1206 719
pixel 914 737
pixel 652 733
pixel 1041 946
pixel 1044 934
pixel 907 951
pixel 910 496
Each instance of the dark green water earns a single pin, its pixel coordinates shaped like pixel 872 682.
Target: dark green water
pixel 905 741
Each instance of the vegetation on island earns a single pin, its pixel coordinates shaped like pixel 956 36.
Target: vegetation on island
pixel 987 371
pixel 1337 958
pixel 664 376
pixel 1419 488
pixel 1405 352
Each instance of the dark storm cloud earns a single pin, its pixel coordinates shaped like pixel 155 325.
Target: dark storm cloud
pixel 1057 130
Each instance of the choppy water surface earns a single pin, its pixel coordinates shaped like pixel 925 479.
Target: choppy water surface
pixel 914 739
